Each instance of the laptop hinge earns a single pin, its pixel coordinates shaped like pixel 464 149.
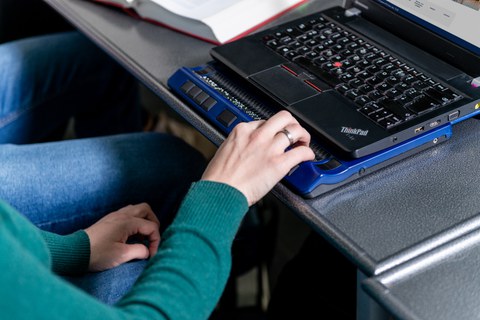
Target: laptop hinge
pixel 352 12
pixel 358 4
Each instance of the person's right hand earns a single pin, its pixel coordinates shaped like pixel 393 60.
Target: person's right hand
pixel 253 157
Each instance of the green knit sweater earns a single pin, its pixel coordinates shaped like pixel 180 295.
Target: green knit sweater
pixel 184 280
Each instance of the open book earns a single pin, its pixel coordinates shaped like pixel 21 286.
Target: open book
pixel 216 21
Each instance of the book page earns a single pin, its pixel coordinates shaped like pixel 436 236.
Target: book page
pixel 245 15
pixel 195 9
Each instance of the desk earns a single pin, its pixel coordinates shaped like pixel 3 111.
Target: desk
pixel 441 285
pixel 378 222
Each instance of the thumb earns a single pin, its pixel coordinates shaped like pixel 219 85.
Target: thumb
pixel 134 251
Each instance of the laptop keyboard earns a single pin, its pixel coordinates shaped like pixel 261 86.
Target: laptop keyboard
pixel 384 88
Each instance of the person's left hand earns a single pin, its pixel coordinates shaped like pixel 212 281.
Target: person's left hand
pixel 108 237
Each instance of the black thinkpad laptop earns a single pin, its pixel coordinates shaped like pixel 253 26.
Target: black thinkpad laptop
pixel 370 76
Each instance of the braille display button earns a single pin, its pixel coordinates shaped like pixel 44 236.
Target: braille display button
pixel 226 118
pixel 208 104
pixel 193 92
pixel 187 86
pixel 201 97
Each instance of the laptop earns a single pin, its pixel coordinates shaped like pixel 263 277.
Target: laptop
pixel 370 76
pixel 225 100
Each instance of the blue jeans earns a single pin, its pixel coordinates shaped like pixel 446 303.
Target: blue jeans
pixel 66 186
pixel 46 80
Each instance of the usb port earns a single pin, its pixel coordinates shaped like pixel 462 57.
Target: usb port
pixel 419 129
pixel 434 123
pixel 454 115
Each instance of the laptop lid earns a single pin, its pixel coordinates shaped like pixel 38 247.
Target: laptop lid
pixel 448 29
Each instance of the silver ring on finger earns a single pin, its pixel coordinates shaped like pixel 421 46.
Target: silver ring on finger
pixel 289 136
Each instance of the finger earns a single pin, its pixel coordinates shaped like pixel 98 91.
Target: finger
pixel 134 251
pixel 144 211
pixel 277 122
pixel 257 123
pixel 295 134
pixel 295 156
pixel 245 128
pixel 148 229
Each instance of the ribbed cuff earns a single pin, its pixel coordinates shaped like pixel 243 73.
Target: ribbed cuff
pixel 70 253
pixel 216 208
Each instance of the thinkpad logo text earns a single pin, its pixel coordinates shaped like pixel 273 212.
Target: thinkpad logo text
pixel 358 132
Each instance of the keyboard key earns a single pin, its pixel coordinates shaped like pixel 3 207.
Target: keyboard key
pixel 366 110
pixel 451 95
pixel 389 67
pixel 362 100
pixel 392 93
pixel 373 81
pixel 388 122
pixel 342 88
pixel 403 100
pixel 397 109
pixel 283 50
pixel 286 40
pixel 412 93
pixel 420 85
pixel 375 95
pixel 352 94
pixel 393 81
pixel 295 45
pixel 355 83
pixel 437 96
pixel 364 75
pixel 402 86
pixel 399 73
pixel 279 34
pixel 422 104
pixel 303 27
pixel 383 87
pixel 291 55
pixel 293 32
pixel 366 88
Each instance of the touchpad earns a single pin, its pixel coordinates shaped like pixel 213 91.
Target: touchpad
pixel 283 85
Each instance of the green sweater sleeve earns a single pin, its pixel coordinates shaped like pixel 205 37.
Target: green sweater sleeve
pixel 70 254
pixel 183 281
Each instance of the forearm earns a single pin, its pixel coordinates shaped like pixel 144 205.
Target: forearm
pixel 183 281
pixel 189 272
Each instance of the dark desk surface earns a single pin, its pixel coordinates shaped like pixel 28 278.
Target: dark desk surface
pixel 378 221
pixel 441 285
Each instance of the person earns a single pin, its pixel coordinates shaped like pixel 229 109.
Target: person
pixel 45 81
pixel 48 79
pixel 185 278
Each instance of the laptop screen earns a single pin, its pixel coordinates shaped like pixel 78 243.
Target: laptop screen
pixel 455 20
